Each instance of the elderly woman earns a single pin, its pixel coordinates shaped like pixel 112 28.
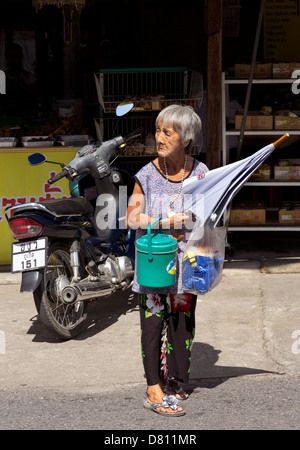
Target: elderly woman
pixel 167 315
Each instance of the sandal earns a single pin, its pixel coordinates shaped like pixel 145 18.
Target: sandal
pixel 169 401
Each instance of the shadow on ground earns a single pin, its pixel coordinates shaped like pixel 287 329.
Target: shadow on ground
pixel 205 373
pixel 102 313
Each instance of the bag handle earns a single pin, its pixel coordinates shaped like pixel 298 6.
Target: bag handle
pixel 150 257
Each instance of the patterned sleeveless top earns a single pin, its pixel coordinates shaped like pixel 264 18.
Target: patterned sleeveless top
pixel 154 186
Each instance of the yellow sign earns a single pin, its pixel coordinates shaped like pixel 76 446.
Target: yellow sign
pixel 22 183
pixel 281 30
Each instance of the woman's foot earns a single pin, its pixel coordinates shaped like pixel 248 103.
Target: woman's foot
pixel 181 395
pixel 155 395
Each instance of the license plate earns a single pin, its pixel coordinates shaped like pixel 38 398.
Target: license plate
pixel 29 255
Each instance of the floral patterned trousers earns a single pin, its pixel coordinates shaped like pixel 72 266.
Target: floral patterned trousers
pixel 167 332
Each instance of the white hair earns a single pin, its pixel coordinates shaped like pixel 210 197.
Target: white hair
pixel 184 120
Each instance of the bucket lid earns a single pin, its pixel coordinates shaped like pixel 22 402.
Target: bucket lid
pixel 159 243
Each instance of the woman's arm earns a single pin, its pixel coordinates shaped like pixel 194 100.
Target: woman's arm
pixel 135 215
pixel 136 218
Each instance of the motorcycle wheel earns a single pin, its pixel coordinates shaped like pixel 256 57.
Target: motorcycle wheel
pixel 64 321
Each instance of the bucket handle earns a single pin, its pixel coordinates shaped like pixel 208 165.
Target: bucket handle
pixel 150 257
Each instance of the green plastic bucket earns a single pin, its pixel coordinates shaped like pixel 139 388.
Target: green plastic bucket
pixel 156 256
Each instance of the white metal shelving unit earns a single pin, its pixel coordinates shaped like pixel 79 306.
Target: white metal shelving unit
pixel 150 89
pixel 258 133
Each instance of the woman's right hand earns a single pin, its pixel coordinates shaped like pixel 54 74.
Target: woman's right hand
pixel 177 221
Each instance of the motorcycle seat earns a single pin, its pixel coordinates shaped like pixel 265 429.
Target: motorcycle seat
pixel 69 206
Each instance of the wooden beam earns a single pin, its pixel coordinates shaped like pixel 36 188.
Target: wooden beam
pixel 70 56
pixel 214 84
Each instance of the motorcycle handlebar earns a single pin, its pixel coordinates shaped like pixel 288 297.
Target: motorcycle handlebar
pixel 58 176
pixel 107 150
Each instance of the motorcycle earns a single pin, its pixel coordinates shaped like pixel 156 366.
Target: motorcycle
pixel 74 250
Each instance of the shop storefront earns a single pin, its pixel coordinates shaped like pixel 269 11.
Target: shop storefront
pixel 50 51
pixel 65 42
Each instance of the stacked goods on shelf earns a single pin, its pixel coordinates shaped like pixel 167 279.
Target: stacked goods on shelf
pixel 7 138
pixel 279 179
pixel 150 90
pixel 67 131
pixel 263 173
pixel 287 170
pixel 284 70
pixel 248 213
pixel 264 120
pixel 284 170
pixel 148 148
pixel 260 70
pixel 64 126
pixel 254 121
pixel 6 142
pixel 9 130
pixel 267 70
pixel 254 213
pixel 289 213
pixel 257 120
pixel 287 120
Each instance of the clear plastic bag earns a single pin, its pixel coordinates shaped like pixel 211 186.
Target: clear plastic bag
pixel 203 259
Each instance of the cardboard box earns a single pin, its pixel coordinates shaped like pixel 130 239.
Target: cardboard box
pixel 254 121
pixel 289 216
pixel 248 213
pixel 284 70
pixel 247 217
pixel 263 173
pixel 287 120
pixel 287 173
pixel 260 70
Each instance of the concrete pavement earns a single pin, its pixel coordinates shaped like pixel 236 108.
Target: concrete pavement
pixel 248 325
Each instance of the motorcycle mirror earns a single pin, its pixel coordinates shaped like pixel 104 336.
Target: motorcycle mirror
pixel 36 158
pixel 123 108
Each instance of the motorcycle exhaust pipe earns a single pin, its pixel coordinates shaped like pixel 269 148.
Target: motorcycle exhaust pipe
pixel 86 291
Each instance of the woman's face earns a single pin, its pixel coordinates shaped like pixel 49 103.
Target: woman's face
pixel 168 142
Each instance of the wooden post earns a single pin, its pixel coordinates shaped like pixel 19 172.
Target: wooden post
pixel 214 84
pixel 70 53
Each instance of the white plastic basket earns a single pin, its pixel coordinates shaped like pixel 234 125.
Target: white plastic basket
pixel 149 89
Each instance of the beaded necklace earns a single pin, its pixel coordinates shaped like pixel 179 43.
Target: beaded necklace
pixel 171 211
